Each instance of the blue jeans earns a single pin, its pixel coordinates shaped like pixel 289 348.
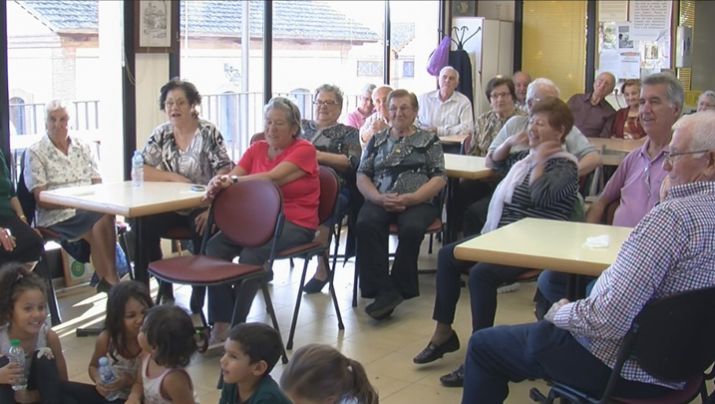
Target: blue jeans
pixel 498 355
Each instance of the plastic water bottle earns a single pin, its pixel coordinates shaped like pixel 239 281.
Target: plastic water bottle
pixel 107 375
pixel 17 355
pixel 137 169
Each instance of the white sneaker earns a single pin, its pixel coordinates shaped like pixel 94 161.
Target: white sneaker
pixel 509 287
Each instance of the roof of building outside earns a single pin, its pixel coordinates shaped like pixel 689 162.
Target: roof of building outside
pixel 296 20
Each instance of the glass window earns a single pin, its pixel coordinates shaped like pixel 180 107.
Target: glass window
pixel 55 52
pixel 414 34
pixel 228 75
pixel 337 42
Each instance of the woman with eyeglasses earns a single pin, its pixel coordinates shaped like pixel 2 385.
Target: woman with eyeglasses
pixel 289 162
pixel 542 182
pixel 187 149
pixel 338 147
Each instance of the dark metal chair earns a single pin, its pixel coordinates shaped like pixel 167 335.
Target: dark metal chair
pixel 329 192
pixel 671 339
pixel 250 214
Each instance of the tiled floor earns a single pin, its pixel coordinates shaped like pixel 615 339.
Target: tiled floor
pixel 385 349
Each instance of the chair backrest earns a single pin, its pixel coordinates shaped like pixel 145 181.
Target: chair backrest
pixel 673 336
pixel 329 192
pixel 26 198
pixel 256 137
pixel 249 212
pixel 466 144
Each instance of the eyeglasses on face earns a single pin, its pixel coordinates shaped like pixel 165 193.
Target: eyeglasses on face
pixel 671 157
pixel 329 103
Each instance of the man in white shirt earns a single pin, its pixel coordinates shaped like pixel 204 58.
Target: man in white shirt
pixel 446 111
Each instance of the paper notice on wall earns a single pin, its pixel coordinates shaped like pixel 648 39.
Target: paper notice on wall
pixel 612 10
pixel 650 19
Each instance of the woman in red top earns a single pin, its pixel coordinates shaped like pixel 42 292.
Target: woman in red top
pixel 289 162
pixel 627 124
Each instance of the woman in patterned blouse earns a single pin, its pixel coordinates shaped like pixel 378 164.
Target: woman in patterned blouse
pixel 542 182
pixel 183 149
pixel 400 175
pixel 338 146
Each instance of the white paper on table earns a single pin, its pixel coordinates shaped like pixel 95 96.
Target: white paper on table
pixel 602 241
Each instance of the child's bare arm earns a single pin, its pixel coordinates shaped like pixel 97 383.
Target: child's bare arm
pixel 178 388
pixel 53 342
pixel 100 349
pixel 135 397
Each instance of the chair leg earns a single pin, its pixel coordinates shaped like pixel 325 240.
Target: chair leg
pixel 331 287
pixel 298 299
pixel 355 284
pixel 336 239
pixel 272 313
pixel 44 270
pixel 431 239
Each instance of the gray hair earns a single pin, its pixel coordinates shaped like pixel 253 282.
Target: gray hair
pixel 673 88
pixel 380 88
pixel 702 129
pixel 286 105
pixel 329 88
pixel 707 94
pixel 368 88
pixel 538 83
pixel 448 68
pixel 56 105
pixel 611 75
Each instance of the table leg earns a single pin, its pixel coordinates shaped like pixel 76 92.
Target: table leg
pixel 140 256
pixel 450 228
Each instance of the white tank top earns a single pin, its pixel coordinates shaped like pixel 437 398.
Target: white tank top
pixel 40 342
pixel 152 386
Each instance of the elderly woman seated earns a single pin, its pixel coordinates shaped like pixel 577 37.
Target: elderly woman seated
pixel 706 101
pixel 289 162
pixel 542 182
pixel 18 242
pixel 400 176
pixel 338 146
pixel 188 149
pixel 627 123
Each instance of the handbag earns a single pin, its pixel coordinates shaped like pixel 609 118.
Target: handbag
pixel 439 57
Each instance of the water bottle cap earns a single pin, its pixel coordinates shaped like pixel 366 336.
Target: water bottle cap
pixel 103 361
pixel 14 342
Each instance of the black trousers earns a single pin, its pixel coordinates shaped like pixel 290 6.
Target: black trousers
pixel 43 378
pixel 83 393
pixel 372 248
pixel 29 245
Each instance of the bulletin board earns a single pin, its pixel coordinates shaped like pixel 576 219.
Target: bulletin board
pixel 635 37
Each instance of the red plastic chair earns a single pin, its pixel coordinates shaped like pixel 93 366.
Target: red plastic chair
pixel 329 192
pixel 250 214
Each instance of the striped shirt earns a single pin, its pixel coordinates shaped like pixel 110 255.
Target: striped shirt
pixel 551 196
pixel 671 250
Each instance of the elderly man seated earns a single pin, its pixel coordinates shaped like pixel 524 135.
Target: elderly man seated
pixel 670 251
pixel 637 181
pixel 59 161
pixel 593 114
pixel 446 111
pixel 379 119
pixel 521 83
pixel 364 109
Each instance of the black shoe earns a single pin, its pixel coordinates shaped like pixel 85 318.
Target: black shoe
pixel 314 285
pixel 454 379
pixel 103 286
pixel 433 352
pixel 383 305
